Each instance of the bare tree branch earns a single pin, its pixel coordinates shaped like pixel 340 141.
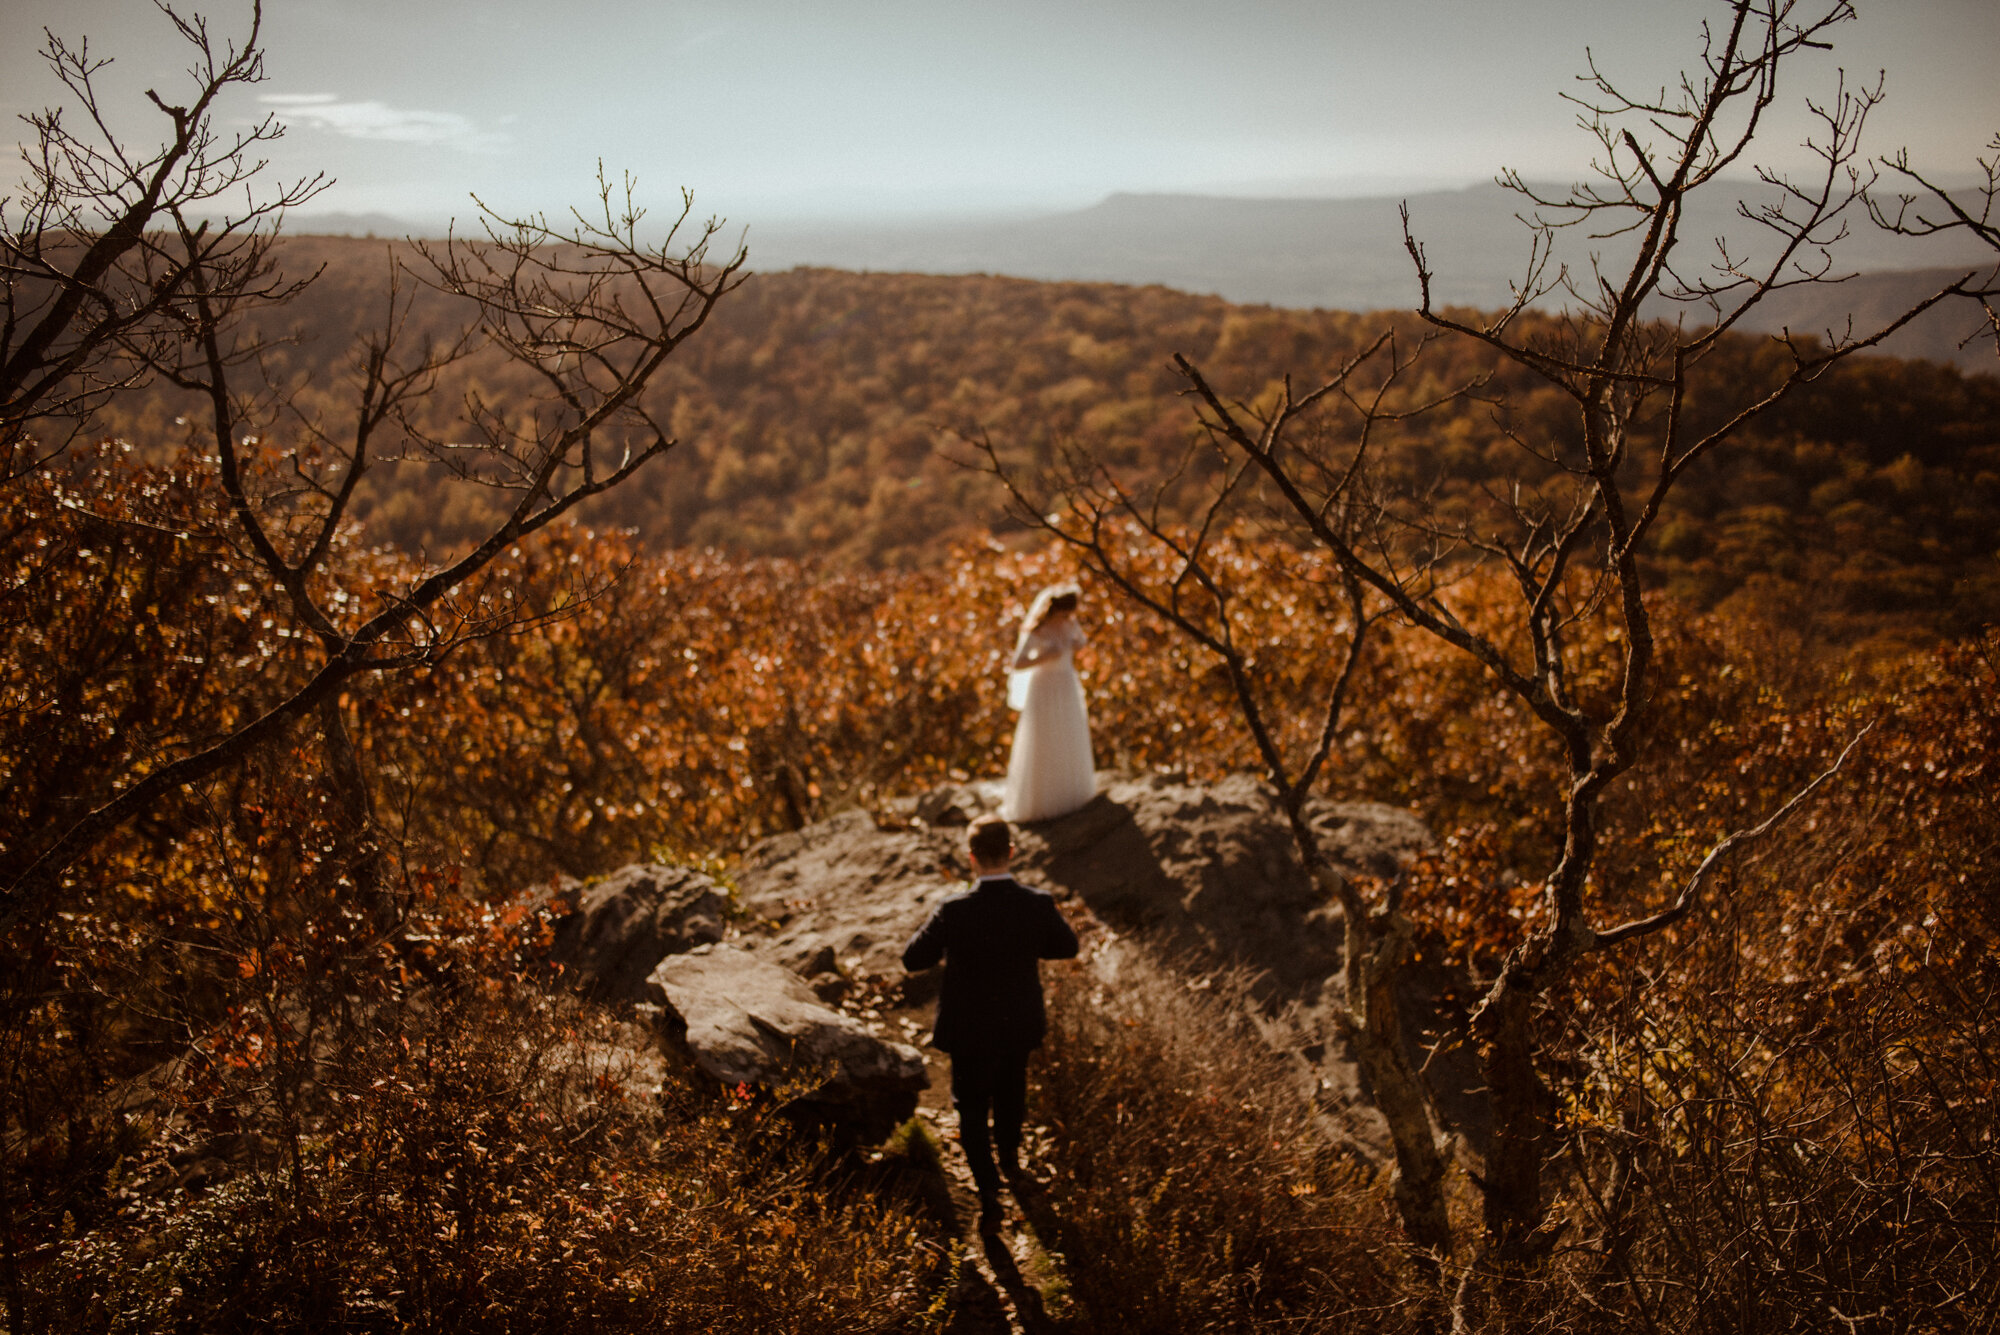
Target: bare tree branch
pixel 590 306
pixel 90 290
pixel 1723 849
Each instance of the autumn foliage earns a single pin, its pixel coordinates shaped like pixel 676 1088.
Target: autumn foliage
pixel 360 600
pixel 246 1025
pixel 295 1009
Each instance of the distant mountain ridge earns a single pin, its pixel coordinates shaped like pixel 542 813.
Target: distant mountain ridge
pixel 1344 254
pixel 1349 254
pixel 384 225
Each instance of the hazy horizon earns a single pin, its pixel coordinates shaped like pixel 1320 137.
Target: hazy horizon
pixel 779 111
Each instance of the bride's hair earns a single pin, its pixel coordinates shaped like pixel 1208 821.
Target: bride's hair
pixel 1055 598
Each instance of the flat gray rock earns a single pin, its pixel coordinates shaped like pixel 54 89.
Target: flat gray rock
pixel 1202 877
pixel 747 1021
pixel 846 894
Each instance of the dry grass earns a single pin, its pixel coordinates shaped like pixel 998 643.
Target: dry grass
pixel 1190 1192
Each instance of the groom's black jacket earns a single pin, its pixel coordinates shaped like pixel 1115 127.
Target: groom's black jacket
pixel 990 939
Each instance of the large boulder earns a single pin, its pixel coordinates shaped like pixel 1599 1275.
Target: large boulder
pixel 628 922
pixel 1211 873
pixel 743 1020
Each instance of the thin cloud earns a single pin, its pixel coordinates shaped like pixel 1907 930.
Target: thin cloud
pixel 380 121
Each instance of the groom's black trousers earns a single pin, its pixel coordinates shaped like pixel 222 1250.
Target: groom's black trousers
pixel 991 1084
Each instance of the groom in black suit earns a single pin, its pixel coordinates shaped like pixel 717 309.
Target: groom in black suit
pixel 990 1014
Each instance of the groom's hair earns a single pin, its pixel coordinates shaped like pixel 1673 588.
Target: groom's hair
pixel 990 841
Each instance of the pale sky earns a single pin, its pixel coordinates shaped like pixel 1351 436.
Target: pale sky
pixel 771 109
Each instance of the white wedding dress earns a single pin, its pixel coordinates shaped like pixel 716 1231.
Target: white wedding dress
pixel 1051 772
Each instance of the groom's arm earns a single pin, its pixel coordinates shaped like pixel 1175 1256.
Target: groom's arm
pixel 926 948
pixel 1058 937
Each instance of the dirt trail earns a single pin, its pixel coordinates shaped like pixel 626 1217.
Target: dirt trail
pixel 1007 1280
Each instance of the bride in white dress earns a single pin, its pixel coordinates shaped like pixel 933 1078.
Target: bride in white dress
pixel 1051 772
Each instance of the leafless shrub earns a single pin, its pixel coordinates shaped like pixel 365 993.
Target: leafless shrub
pixel 1780 1158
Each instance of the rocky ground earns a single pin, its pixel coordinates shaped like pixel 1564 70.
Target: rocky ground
pixel 791 978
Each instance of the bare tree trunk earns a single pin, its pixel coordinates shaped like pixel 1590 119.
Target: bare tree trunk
pixel 1378 947
pixel 1521 1104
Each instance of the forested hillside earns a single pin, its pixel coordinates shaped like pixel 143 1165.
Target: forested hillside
pixel 818 415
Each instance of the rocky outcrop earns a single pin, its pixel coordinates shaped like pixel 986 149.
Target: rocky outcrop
pixel 628 922
pixel 1200 877
pixel 743 1020
pixel 1205 877
pixel 844 895
pixel 1208 872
